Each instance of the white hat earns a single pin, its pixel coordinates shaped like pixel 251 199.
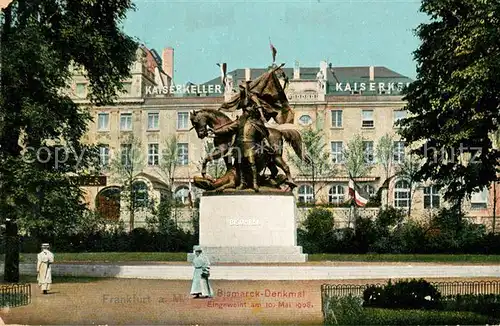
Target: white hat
pixel 45 245
pixel 197 248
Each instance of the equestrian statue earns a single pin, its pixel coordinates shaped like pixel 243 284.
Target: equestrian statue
pixel 248 144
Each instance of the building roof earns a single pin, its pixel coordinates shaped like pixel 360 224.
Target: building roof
pixel 344 75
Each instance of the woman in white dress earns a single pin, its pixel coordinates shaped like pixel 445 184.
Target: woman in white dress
pixel 200 288
pixel 44 268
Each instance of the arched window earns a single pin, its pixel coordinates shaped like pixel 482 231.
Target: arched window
pixel 140 190
pixel 336 194
pixel 182 194
pixel 108 203
pixel 306 194
pixel 402 194
pixel 370 190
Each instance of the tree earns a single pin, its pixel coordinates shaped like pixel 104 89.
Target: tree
pixel 409 170
pixel 34 112
pixel 496 143
pixel 454 103
pixel 169 161
pixel 357 158
pixel 320 162
pixel 385 157
pixel 167 210
pixel 125 168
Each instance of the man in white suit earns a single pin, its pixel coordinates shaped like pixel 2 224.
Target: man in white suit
pixel 44 268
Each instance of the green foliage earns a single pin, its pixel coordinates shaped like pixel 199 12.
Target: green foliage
pixel 451 232
pixel 318 233
pixel 413 294
pixel 169 160
pixel 485 304
pixel 348 310
pixel 355 157
pixel 385 153
pixel 379 316
pixel 320 163
pixel 453 103
pixel 41 194
pixel 448 231
pixel 342 310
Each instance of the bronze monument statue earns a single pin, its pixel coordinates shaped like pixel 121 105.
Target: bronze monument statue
pixel 246 144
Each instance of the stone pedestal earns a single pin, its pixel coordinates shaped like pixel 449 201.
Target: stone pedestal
pixel 249 227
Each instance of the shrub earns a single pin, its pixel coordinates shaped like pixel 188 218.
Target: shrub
pixel 486 304
pixel 378 316
pixel 343 310
pixel 349 311
pixel 403 295
pixel 318 233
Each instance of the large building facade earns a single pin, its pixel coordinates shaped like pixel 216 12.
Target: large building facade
pixel 342 102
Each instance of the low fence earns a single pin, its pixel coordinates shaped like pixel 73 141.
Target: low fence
pixel 15 295
pixel 445 288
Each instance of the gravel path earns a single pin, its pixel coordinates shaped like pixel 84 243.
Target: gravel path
pixel 135 301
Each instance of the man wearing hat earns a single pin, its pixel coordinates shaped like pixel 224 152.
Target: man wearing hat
pixel 200 288
pixel 44 269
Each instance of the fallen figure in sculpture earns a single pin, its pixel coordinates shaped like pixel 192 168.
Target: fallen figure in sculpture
pixel 230 180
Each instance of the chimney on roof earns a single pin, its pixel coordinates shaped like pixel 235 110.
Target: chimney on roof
pixel 372 73
pixel 296 70
pixel 168 61
pixel 247 74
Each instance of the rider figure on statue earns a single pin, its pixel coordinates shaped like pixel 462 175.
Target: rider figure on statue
pixel 251 107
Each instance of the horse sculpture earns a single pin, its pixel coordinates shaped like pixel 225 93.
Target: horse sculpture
pixel 208 121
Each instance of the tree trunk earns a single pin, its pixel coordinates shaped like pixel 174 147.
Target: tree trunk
pixel 131 207
pixel 11 266
pixel 314 184
pixel 494 206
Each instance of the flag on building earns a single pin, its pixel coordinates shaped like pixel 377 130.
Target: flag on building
pixel 273 50
pixel 223 71
pixel 359 196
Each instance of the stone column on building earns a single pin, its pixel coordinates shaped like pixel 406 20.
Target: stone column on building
pixel 228 88
pixel 296 70
pixel 321 78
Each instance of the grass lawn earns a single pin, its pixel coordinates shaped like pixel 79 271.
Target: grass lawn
pixel 427 258
pixel 116 256
pixel 181 257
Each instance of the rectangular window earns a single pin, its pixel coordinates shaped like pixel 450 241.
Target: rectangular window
pixel 104 155
pixel 126 121
pixel 182 153
pixel 398 115
pixel 336 118
pixel 81 89
pixel 153 154
pixel 369 153
pixel 153 121
pixel 367 119
pixel 182 120
pixel 103 122
pixel 126 154
pixel 399 152
pixel 479 200
pixel 337 155
pixel 431 197
pixel 402 194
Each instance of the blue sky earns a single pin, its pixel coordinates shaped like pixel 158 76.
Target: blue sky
pixel 345 33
